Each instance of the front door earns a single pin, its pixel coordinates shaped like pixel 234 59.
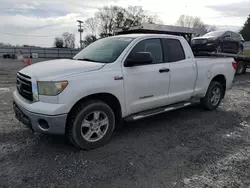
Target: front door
pixel 146 86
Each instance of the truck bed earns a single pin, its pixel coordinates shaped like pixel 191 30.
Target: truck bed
pixel 243 62
pixel 216 55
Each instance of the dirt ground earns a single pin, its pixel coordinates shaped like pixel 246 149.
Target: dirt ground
pixel 189 148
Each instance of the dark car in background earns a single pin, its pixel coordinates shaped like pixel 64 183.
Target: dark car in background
pixel 219 41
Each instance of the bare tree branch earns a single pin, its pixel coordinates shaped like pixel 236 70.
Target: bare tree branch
pixel 89 39
pixel 92 25
pixel 117 17
pixel 194 22
pixel 69 40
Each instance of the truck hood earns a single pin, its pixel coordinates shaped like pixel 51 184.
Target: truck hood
pixel 50 70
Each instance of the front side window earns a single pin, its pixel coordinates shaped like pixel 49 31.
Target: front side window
pixel 228 34
pixel 235 35
pixel 149 45
pixel 105 50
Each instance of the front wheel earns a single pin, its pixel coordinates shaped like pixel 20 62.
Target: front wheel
pixel 213 96
pixel 91 125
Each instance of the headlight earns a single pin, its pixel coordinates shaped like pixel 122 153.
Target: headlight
pixel 211 40
pixel 51 88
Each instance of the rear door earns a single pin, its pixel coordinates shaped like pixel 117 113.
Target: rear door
pixel 228 42
pixel 236 42
pixel 146 86
pixel 182 71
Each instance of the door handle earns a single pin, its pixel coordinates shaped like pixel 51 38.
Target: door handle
pixel 164 70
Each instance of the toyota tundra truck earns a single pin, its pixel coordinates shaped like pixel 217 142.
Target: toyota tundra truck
pixel 123 77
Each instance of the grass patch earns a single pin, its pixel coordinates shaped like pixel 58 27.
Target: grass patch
pixel 247 53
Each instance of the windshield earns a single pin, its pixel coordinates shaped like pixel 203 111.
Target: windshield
pixel 214 34
pixel 105 50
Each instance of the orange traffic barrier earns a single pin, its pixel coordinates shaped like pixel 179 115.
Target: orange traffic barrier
pixel 28 63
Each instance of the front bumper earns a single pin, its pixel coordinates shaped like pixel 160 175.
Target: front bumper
pixel 204 47
pixel 51 124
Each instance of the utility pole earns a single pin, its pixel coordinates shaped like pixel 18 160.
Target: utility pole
pixel 80 30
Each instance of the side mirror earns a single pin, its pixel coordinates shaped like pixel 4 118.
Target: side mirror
pixel 139 58
pixel 227 36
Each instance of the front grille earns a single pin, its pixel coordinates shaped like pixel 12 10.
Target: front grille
pixel 199 41
pixel 24 86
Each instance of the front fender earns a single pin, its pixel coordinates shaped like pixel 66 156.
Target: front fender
pixel 93 83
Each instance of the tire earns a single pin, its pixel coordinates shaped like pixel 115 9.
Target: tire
pixel 240 50
pixel 244 70
pixel 218 48
pixel 206 102
pixel 80 136
pixel 240 67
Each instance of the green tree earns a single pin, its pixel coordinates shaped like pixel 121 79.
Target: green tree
pixel 245 31
pixel 58 42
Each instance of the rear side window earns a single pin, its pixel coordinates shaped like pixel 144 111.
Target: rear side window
pixel 173 50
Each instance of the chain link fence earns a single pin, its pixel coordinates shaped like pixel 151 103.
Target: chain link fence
pixel 9 52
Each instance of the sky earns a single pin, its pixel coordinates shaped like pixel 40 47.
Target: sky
pixel 38 22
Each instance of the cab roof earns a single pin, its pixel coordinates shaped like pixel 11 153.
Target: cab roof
pixel 142 35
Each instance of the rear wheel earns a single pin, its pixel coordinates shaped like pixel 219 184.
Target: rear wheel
pixel 240 51
pixel 241 68
pixel 213 96
pixel 91 125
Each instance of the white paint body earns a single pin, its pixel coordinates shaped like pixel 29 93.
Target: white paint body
pixel 187 78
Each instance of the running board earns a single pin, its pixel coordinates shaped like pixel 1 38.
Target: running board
pixel 156 111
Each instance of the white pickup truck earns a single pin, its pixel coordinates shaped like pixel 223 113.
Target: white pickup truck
pixel 124 77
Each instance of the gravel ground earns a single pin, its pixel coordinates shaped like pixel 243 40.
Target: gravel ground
pixel 188 148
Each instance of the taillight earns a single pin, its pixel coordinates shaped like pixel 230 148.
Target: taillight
pixel 234 63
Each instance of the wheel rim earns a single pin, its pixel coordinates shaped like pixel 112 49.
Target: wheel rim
pixel 240 67
pixel 94 126
pixel 240 51
pixel 218 49
pixel 216 95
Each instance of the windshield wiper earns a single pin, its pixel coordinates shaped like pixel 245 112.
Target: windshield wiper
pixel 87 59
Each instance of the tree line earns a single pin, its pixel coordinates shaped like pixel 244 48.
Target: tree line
pixel 106 19
pixel 245 31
